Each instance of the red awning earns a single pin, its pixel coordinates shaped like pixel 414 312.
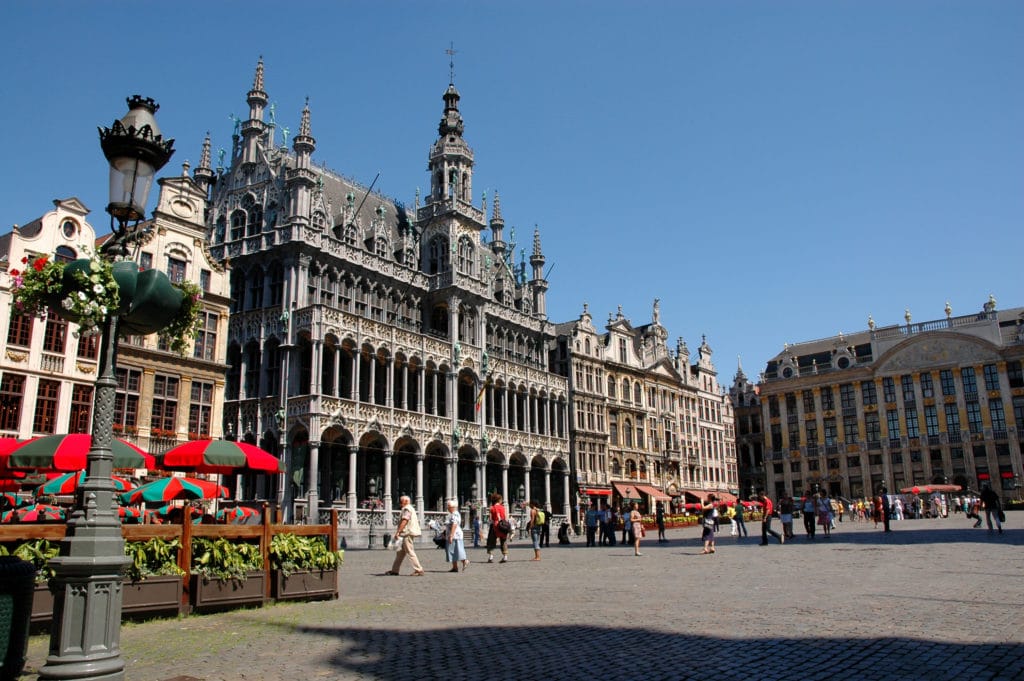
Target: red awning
pixel 597 492
pixel 626 490
pixel 726 497
pixel 654 492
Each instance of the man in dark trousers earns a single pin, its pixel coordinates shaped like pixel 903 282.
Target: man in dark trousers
pixel 886 510
pixel 767 509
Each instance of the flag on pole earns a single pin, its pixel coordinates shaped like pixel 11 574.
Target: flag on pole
pixel 480 395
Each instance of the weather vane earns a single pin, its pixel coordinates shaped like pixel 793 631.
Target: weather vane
pixel 451 62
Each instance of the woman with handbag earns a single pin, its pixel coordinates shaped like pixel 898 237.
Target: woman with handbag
pixel 499 529
pixel 709 523
pixel 636 524
pixel 454 550
pixel 535 526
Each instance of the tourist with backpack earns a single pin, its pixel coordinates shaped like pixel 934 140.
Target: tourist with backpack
pixel 535 526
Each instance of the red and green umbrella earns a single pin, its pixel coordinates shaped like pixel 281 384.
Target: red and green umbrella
pixel 237 515
pixel 9 485
pixel 36 513
pixel 69 482
pixel 68 453
pixel 218 456
pixel 169 489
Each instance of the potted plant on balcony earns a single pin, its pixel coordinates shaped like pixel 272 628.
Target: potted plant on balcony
pixel 39 552
pixel 226 574
pixel 304 567
pixel 86 291
pixel 152 583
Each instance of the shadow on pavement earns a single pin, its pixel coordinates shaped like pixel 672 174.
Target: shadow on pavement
pixel 590 652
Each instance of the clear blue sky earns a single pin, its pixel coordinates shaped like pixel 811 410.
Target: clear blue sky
pixel 772 171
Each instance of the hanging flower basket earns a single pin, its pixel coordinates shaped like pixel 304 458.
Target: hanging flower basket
pixel 88 290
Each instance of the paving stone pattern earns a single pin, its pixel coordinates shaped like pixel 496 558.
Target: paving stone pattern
pixel 934 599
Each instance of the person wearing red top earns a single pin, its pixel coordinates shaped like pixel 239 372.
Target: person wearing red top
pixel 498 514
pixel 767 509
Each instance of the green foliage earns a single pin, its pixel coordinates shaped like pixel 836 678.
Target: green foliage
pixel 290 552
pixel 224 559
pixel 152 558
pixel 38 552
pixel 41 286
pixel 188 322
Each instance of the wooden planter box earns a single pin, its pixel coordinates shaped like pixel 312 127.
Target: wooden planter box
pixel 230 593
pixel 42 604
pixel 152 596
pixel 305 584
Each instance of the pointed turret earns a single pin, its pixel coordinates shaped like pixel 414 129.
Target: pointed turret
pixel 254 129
pixel 203 174
pixel 540 286
pixel 498 245
pixel 301 179
pixel 451 159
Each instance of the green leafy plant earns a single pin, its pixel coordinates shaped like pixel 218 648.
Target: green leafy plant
pixel 290 553
pixel 38 552
pixel 41 287
pixel 224 559
pixel 152 558
pixel 187 324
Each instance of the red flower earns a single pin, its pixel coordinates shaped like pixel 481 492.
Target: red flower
pixel 15 273
pixel 39 263
pixel 24 260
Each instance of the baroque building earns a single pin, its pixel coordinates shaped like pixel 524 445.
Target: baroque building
pixel 940 401
pixel 746 405
pixel 49 372
pixel 645 423
pixel 382 349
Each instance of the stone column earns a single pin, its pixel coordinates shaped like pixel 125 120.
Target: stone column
pixel 356 371
pixel 388 455
pixel 313 483
pixel 526 483
pixel 504 483
pixel 419 482
pixel 566 504
pixel 351 499
pixel 547 486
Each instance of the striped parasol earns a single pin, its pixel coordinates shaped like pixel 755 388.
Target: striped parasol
pixel 68 453
pixel 169 489
pixel 237 515
pixel 218 456
pixel 69 482
pixel 36 513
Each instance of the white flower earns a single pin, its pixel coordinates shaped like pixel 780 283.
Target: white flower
pixel 98 289
pixel 81 295
pixel 94 266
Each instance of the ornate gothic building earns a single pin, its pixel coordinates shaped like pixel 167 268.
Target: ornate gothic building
pixel 384 350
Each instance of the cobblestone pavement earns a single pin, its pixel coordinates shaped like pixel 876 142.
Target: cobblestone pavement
pixel 933 599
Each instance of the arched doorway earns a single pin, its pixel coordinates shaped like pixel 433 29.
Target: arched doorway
pixel 403 470
pixel 435 476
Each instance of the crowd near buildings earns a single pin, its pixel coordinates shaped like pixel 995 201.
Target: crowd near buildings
pixel 385 348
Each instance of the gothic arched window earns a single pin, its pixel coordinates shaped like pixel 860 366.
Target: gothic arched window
pixel 466 256
pixel 437 255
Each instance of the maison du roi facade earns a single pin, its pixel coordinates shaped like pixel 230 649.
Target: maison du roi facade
pixel 48 372
pixel 940 401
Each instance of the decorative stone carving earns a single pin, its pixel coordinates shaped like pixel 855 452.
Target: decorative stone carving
pixel 930 351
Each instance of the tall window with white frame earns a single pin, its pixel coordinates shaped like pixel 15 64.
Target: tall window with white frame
pixel 81 408
pixel 200 410
pixel 126 399
pixel 12 394
pixel 206 339
pixel 47 397
pixel 165 405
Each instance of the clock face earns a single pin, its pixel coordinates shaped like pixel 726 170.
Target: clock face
pixel 68 228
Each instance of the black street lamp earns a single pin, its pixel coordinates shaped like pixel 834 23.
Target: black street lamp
pixel 85 638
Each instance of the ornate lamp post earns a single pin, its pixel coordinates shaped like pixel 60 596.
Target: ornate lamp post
pixel 85 639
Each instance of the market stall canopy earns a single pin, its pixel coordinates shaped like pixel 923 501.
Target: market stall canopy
pixel 929 489
pixel 69 483
pixel 169 489
pixel 627 490
pixel 69 452
pixel 597 492
pixel 654 492
pixel 218 456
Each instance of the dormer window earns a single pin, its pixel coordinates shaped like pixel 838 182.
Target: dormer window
pixel 68 228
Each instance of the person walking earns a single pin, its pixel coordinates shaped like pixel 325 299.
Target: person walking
pixel 659 519
pixel 624 512
pixel 591 520
pixel 454 548
pixel 767 510
pixel 730 514
pixel 824 511
pixel 636 531
pixel 474 522
pixel 535 526
pixel 545 527
pixel 786 506
pixel 808 508
pixel 408 529
pixel 993 508
pixel 709 523
pixel 496 535
pixel 607 528
pixel 741 526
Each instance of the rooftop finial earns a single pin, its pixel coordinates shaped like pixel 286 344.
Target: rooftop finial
pixel 536 240
pixel 948 310
pixel 304 126
pixel 451 62
pixel 204 157
pixel 497 208
pixel 257 82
